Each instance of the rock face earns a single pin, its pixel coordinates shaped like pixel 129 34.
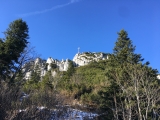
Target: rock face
pixel 62 65
pixel 81 59
pixel 42 66
pixel 38 65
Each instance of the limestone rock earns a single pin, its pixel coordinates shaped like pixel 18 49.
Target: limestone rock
pixel 62 65
pixel 81 59
pixel 42 66
pixel 38 65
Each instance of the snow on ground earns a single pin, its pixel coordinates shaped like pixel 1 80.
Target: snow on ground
pixel 73 114
pixel 68 114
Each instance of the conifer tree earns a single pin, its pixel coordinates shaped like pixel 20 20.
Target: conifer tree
pixel 129 77
pixel 124 49
pixel 12 46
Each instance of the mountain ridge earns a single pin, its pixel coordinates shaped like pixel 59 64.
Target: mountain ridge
pixel 42 66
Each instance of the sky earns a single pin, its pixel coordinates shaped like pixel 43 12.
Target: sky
pixel 58 27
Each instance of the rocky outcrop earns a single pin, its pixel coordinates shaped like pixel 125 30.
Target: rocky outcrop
pixel 42 66
pixel 62 65
pixel 158 76
pixel 81 59
pixel 38 65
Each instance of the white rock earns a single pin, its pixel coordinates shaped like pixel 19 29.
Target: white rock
pixel 82 59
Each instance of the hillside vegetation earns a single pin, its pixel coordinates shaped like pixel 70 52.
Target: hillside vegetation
pixel 122 87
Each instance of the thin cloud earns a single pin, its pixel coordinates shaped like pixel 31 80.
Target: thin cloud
pixel 73 1
pixel 48 10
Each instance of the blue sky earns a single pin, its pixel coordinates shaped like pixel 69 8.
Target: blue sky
pixel 58 27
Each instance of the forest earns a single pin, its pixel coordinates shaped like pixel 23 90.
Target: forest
pixel 122 87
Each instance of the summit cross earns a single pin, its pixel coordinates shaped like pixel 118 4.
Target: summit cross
pixel 78 49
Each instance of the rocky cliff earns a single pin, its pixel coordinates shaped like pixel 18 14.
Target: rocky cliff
pixel 81 59
pixel 42 66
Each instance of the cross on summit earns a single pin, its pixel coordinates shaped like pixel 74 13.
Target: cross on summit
pixel 78 49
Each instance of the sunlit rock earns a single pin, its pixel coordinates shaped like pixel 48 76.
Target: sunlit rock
pixel 81 59
pixel 158 76
pixel 41 66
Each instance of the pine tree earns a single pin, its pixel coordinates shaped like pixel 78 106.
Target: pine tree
pixel 12 46
pixel 124 49
pixel 128 77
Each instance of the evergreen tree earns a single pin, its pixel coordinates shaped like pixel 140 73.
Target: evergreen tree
pixel 124 49
pixel 12 47
pixel 128 77
pixel 71 69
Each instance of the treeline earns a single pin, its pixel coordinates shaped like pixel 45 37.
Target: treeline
pixel 123 87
